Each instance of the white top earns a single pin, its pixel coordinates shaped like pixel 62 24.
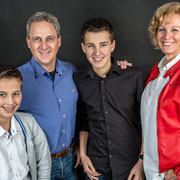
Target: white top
pixel 13 156
pixel 149 103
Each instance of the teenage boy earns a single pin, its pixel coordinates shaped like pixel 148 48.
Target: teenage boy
pixel 109 108
pixel 24 151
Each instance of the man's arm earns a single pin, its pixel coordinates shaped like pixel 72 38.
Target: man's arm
pixel 77 154
pixel 85 160
pixel 137 172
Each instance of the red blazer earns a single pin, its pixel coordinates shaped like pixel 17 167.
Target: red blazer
pixel 168 119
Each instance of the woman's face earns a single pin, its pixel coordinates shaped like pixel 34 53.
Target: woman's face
pixel 168 36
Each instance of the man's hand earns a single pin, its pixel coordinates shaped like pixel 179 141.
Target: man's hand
pixel 137 172
pixel 124 64
pixel 89 168
pixel 77 154
pixel 170 175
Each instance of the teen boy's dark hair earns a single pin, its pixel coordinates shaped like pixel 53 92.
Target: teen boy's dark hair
pixel 97 25
pixel 8 71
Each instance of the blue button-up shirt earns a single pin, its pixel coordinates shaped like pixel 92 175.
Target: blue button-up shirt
pixel 51 102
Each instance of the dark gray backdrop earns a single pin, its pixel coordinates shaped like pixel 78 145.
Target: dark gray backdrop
pixel 130 19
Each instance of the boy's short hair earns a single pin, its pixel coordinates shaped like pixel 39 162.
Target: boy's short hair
pixel 8 71
pixel 97 25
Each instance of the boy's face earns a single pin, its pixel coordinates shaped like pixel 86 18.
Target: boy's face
pixel 10 97
pixel 98 48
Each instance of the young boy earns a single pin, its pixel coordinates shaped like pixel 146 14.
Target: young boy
pixel 24 152
pixel 109 108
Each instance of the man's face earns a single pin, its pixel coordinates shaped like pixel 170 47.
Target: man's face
pixel 44 44
pixel 98 47
pixel 10 97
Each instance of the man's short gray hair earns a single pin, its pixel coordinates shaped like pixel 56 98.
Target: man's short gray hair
pixel 43 16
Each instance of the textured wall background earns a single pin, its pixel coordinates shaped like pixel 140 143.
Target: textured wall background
pixel 130 19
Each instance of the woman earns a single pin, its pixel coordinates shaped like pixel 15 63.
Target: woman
pixel 160 104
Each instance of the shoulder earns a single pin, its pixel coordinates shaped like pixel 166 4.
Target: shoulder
pixel 25 67
pixel 154 68
pixel 68 65
pixel 135 71
pixel 23 115
pixel 80 74
pixel 26 118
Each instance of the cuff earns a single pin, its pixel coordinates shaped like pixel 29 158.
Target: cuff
pixel 177 171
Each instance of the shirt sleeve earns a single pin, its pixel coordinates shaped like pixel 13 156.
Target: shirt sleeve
pixel 82 115
pixel 177 171
pixel 42 153
pixel 139 86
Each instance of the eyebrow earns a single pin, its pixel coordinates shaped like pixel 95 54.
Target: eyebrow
pixel 2 91
pixel 33 37
pixel 104 42
pixel 13 91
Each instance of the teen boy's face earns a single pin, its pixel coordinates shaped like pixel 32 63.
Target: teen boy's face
pixel 10 97
pixel 98 48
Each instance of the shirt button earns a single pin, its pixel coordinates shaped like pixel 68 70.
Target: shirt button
pixel 59 100
pixel 110 156
pixel 63 145
pixel 63 131
pixel 106 112
pixel 64 115
pixel 103 97
pixel 107 127
pixel 108 169
pixel 109 142
pixel 102 81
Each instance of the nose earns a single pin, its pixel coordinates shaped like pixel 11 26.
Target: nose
pixel 43 44
pixel 167 34
pixel 97 51
pixel 9 100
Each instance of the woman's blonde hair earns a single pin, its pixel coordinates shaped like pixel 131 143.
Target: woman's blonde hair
pixel 166 9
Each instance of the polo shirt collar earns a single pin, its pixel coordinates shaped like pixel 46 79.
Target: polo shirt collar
pixel 39 70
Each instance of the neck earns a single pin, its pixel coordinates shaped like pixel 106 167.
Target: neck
pixel 102 72
pixel 169 58
pixel 49 68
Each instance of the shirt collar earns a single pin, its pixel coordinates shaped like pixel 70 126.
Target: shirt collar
pixel 115 68
pixel 164 67
pixel 2 131
pixel 39 70
pixel 13 129
pixel 172 66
